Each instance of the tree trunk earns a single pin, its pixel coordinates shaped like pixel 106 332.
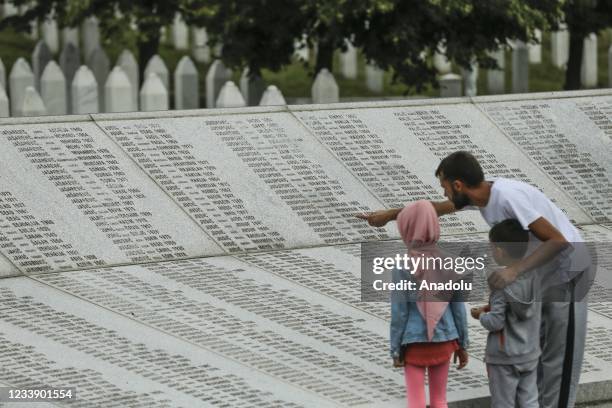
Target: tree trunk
pixel 325 56
pixel 147 49
pixel 574 63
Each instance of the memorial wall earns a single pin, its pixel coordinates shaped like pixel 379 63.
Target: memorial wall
pixel 212 257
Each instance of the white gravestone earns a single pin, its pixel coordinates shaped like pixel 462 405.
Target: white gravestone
pixel 118 92
pixel 2 74
pixel 9 9
pixel 230 97
pixel 301 52
pixel 374 78
pixel 50 34
pixel 324 88
pixel 180 33
pixel 158 66
pixel 609 66
pixel 450 85
pixel 20 78
pixel 272 97
pixel 53 89
pixel 470 80
pixel 588 70
pixel 70 61
pixel 40 58
pixel 559 41
pixel 4 103
pixel 535 48
pixel 216 77
pixel 348 61
pixel 441 63
pixel 33 34
pixel 32 104
pixel 99 64
pixel 153 95
pixel 520 68
pixel 201 50
pixel 496 78
pixel 91 36
pixel 84 92
pixel 70 35
pixel 252 88
pixel 128 63
pixel 186 85
pixel 217 49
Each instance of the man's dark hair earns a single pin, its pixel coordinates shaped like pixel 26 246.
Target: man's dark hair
pixel 511 237
pixel 461 166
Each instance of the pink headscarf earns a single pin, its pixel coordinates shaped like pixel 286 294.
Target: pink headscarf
pixel 420 230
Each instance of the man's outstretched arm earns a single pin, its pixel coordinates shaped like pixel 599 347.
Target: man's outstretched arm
pixel 444 207
pixel 381 217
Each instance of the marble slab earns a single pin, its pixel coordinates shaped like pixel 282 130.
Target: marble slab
pixel 255 304
pixel 7 268
pixel 253 182
pixel 291 332
pixel 395 152
pixel 54 338
pixel 570 140
pixel 71 199
pixel 128 212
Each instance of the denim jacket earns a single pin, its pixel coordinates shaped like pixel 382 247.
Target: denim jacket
pixel 408 326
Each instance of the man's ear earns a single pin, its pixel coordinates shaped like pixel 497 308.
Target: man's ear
pixel 458 185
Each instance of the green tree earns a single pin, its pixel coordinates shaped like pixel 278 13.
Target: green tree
pixel 257 34
pixel 583 17
pixel 262 33
pixel 401 35
pixel 116 17
pixel 398 35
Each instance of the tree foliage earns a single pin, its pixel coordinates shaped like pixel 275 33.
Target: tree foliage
pixel 400 35
pixel 395 34
pixel 115 16
pixel 262 33
pixel 258 34
pixel 583 17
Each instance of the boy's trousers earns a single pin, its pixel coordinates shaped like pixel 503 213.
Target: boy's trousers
pixel 514 385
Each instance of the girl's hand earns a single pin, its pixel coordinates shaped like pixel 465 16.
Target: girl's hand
pixel 462 355
pixel 397 362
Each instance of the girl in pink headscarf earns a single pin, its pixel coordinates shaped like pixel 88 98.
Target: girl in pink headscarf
pixel 427 327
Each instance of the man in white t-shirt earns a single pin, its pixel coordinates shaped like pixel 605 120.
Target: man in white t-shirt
pixel 564 321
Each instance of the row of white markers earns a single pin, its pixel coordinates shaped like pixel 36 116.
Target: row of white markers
pixel 74 88
pixel 50 94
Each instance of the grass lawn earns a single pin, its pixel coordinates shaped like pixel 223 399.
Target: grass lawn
pixel 295 80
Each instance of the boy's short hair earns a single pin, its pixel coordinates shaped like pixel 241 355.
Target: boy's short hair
pixel 511 237
pixel 461 166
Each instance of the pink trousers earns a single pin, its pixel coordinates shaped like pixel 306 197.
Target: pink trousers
pixel 415 385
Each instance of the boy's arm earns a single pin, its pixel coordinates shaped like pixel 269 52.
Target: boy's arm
pixel 381 217
pixel 494 319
